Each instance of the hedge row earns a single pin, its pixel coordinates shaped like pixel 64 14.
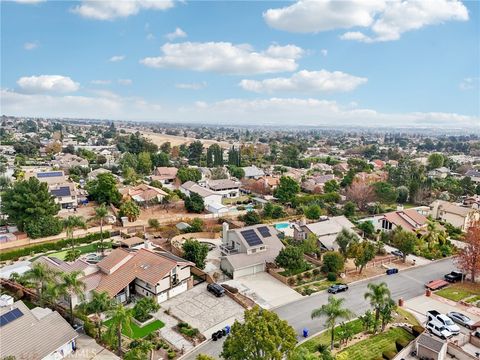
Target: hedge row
pixel 57 245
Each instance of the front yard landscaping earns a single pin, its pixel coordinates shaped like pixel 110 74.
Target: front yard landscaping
pixel 373 347
pixel 138 332
pixel 457 292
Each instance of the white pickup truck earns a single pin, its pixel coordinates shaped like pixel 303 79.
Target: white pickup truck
pixel 444 320
pixel 438 329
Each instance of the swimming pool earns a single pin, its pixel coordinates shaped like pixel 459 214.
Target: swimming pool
pixel 282 226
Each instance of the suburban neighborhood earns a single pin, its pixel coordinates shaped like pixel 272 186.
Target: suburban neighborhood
pixel 230 197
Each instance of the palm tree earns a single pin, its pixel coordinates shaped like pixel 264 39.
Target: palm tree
pixel 332 311
pixel 100 213
pixel 100 302
pixel 121 318
pixel 70 224
pixel 39 275
pixel 386 312
pixel 71 285
pixel 379 295
pixel 432 235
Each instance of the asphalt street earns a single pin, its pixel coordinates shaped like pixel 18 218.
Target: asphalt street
pixel 406 284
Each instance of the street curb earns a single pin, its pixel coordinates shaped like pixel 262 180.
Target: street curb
pixel 363 280
pixel 195 348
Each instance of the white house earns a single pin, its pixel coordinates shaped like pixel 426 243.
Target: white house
pixel 226 187
pixel 209 197
pixel 253 172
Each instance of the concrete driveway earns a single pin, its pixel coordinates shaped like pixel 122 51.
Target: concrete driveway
pixel 203 310
pixel 265 290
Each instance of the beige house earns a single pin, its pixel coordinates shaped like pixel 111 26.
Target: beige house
pixel 455 214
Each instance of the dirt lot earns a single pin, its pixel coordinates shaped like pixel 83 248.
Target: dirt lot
pixel 370 271
pixel 159 139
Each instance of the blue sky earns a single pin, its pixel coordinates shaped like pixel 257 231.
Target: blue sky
pixel 325 62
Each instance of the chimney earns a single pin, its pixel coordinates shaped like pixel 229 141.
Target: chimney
pixel 225 229
pixel 399 207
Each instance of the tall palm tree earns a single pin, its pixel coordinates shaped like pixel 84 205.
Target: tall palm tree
pixel 332 311
pixel 70 224
pixel 39 275
pixel 379 295
pixel 386 312
pixel 100 213
pixel 100 302
pixel 71 285
pixel 121 318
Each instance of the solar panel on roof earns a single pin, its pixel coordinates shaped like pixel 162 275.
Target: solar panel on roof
pixel 251 237
pixel 49 174
pixel 62 191
pixel 263 230
pixel 10 316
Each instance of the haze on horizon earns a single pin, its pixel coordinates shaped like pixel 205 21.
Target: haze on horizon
pixel 310 63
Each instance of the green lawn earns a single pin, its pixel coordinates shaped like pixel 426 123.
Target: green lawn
pixel 138 332
pixel 473 299
pixel 458 292
pixel 324 338
pixel 406 316
pixel 373 347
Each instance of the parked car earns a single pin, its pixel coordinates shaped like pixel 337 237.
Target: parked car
pixel 397 253
pixel 337 288
pixel 461 319
pixel 454 276
pixel 438 329
pixel 444 320
pixel 216 289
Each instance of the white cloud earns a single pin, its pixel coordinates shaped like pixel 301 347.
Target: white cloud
pixel 100 82
pixel 30 45
pixel 385 19
pixel 47 83
pixel 285 112
pixel 112 9
pixel 469 83
pixel 226 58
pixel 191 86
pixel 125 81
pixel 117 58
pixel 103 105
pixel 306 81
pixel 178 33
pixel 324 52
pixel 150 36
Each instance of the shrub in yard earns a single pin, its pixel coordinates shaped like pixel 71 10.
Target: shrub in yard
pixel 171 354
pixel 307 275
pixel 291 281
pixel 400 344
pixel 299 277
pixel 389 355
pixel 316 271
pixel 143 308
pixel 331 276
pixel 417 330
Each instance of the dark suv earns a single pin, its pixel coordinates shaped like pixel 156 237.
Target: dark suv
pixel 337 288
pixel 216 289
pixel 454 276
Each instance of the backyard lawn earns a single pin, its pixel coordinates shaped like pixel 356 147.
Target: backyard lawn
pixel 138 332
pixel 85 249
pixel 373 347
pixel 457 292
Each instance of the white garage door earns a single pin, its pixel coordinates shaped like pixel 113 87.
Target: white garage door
pixel 178 290
pixel 252 270
pixel 162 297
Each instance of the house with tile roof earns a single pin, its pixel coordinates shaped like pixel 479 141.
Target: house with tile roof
pixel 37 334
pixel 409 219
pixel 159 275
pixel 143 194
pixel 166 175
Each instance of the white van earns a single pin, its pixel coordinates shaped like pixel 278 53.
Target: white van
pixel 438 329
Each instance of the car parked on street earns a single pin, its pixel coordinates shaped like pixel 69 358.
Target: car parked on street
pixel 461 319
pixel 438 329
pixel 337 288
pixel 216 289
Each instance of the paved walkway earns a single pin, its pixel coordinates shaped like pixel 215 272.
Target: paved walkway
pixel 88 349
pixel 171 335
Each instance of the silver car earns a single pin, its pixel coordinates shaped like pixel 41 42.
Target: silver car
pixel 461 319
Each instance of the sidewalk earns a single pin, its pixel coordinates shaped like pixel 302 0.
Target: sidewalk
pixel 88 349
